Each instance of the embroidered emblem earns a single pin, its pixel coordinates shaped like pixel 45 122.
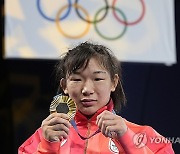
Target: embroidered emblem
pixel 112 147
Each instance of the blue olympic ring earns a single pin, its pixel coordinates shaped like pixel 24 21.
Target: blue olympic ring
pixel 54 19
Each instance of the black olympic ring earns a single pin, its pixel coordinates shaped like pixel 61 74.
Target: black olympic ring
pixel 93 21
pixel 122 20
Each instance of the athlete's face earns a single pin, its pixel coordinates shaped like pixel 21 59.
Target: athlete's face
pixel 90 88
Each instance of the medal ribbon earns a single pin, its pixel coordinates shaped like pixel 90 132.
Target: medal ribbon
pixel 82 137
pixel 73 123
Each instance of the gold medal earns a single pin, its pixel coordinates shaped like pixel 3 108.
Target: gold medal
pixel 63 104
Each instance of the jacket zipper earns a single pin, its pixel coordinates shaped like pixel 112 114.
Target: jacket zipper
pixel 87 135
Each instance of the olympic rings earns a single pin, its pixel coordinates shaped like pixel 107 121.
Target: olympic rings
pixel 67 35
pixel 123 19
pixel 108 38
pixel 80 16
pixel 132 22
pixel 51 19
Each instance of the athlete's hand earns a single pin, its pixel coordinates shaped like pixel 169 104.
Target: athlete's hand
pixel 55 127
pixel 111 125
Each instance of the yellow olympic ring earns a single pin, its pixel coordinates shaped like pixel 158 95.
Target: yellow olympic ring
pixel 67 35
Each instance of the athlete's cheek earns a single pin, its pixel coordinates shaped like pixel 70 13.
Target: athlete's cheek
pixel 74 94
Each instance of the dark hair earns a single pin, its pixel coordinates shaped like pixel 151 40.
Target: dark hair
pixel 79 56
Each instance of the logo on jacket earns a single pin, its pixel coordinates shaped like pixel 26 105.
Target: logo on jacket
pixel 140 140
pixel 112 147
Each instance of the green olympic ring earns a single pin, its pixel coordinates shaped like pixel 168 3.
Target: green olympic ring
pixel 110 38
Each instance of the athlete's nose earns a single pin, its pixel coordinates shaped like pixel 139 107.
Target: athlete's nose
pixel 88 88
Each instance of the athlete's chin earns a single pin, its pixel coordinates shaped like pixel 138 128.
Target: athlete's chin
pixel 88 111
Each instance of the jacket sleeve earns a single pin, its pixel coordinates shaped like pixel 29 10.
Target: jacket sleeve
pixel 146 141
pixel 36 144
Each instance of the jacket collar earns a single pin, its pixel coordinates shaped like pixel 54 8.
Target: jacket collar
pixel 79 117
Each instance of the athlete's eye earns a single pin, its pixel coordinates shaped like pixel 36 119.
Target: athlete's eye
pixel 99 79
pixel 76 80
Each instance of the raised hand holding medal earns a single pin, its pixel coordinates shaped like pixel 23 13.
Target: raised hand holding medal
pixel 64 104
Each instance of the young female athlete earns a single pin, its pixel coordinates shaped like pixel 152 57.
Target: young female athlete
pixel 91 76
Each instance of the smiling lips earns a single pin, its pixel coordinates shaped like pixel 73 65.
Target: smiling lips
pixel 88 102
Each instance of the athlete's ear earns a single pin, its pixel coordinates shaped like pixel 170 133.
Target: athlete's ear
pixel 115 82
pixel 63 85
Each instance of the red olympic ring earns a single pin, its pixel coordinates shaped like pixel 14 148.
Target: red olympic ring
pixel 132 22
pixel 60 29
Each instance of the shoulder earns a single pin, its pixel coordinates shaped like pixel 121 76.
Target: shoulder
pixel 136 128
pixel 153 140
pixel 32 142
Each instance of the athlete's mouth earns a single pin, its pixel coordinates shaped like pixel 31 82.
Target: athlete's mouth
pixel 88 102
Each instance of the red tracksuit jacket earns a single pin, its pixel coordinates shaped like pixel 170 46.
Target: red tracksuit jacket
pixel 137 140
